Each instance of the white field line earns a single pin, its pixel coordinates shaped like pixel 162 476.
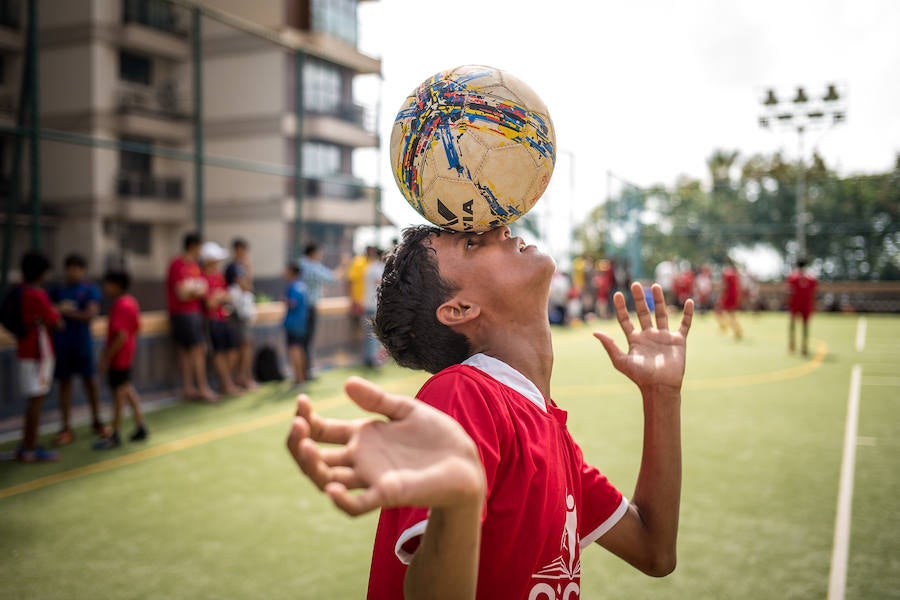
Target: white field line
pixel 861 334
pixel 837 581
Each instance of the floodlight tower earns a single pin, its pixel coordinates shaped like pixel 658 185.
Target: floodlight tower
pixel 803 113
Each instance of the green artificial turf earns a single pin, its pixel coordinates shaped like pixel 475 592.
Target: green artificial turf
pixel 213 507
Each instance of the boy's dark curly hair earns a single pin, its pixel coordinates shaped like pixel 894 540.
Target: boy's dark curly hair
pixel 411 291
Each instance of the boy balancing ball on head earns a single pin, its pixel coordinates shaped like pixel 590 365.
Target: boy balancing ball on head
pixel 483 491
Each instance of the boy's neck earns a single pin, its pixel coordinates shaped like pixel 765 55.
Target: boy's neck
pixel 527 347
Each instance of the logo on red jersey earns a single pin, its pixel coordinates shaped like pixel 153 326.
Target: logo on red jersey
pixel 562 575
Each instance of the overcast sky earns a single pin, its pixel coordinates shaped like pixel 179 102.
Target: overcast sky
pixel 648 89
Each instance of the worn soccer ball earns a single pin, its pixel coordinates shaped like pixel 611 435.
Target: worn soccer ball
pixel 472 148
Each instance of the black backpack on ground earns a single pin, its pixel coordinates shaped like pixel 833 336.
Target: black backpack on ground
pixel 265 365
pixel 11 312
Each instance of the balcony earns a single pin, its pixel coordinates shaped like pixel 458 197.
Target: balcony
pixel 155 14
pixel 160 112
pixel 336 187
pixel 349 112
pixel 147 186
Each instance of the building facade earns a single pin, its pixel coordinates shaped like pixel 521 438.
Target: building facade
pixel 116 92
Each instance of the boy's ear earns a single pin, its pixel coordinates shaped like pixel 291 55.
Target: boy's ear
pixel 455 312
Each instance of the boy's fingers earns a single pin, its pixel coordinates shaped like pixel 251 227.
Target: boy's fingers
pixel 622 313
pixel 686 319
pixel 299 431
pixel 329 431
pixel 659 305
pixel 312 464
pixel 614 352
pixel 347 477
pixel 372 398
pixel 336 457
pixel 353 504
pixel 640 306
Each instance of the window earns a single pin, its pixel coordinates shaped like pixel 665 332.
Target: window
pixel 134 162
pixel 321 160
pixel 135 68
pixel 137 238
pixel 10 11
pixel 336 17
pixel 321 86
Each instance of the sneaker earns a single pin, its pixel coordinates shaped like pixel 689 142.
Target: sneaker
pixel 107 443
pixel 140 434
pixel 100 429
pixel 36 455
pixel 63 437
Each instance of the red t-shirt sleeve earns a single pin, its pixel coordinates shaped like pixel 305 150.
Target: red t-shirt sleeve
pixel 459 395
pixel 602 505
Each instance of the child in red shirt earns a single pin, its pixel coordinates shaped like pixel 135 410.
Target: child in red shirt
pixel 483 491
pixel 801 285
pixel 34 351
pixel 216 309
pixel 118 357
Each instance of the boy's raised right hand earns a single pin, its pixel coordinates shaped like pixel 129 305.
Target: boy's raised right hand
pixel 418 457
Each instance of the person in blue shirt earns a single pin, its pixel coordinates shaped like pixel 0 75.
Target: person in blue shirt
pixel 78 301
pixel 315 275
pixel 296 321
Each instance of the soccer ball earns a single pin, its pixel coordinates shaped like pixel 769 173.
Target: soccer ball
pixel 472 148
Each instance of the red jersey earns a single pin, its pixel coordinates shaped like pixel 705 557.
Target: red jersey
pixel 215 282
pixel 124 316
pixel 731 289
pixel 179 271
pixel 36 311
pixel 544 504
pixel 802 290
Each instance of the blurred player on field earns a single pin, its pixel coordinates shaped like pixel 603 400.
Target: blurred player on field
pixel 801 289
pixel 729 300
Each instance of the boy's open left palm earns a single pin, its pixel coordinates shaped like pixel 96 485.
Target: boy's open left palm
pixel 418 457
pixel 656 355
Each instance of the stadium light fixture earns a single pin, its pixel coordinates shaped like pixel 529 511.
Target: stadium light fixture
pixel 802 113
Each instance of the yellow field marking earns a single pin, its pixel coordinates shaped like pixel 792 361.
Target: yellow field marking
pixel 191 441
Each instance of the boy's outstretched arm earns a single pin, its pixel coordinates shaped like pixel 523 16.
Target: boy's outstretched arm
pixel 418 457
pixel 646 535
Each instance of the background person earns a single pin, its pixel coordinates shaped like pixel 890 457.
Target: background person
pixel 314 275
pixel 185 291
pixel 216 308
pixel 239 279
pixel 34 351
pixel 371 346
pixel 78 301
pixel 118 357
pixel 296 321
pixel 801 288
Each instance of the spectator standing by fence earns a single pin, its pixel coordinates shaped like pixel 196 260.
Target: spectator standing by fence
pixel 239 279
pixel 296 321
pixel 185 291
pixel 78 301
pixel 314 275
pixel 372 347
pixel 216 309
